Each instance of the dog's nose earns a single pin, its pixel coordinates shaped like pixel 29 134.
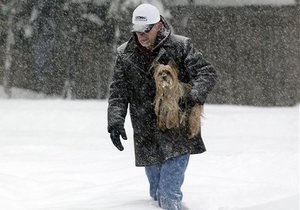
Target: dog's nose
pixel 164 76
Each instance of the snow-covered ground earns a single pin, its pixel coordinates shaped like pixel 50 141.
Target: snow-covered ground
pixel 57 155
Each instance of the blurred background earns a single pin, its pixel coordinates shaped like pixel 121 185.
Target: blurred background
pixel 66 48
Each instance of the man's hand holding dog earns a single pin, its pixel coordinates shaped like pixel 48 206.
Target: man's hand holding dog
pixel 115 136
pixel 186 102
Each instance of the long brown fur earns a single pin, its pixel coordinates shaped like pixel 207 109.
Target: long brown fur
pixel 169 90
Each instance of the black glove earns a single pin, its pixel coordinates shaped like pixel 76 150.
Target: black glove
pixel 115 137
pixel 186 102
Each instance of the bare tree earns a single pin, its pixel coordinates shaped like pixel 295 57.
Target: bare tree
pixel 10 11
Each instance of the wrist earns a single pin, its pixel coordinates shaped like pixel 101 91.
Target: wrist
pixel 196 98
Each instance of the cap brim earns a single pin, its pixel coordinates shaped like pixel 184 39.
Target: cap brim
pixel 139 28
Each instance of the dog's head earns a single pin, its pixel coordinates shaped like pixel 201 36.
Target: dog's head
pixel 165 75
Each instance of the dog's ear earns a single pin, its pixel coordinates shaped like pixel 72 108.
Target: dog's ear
pixel 155 64
pixel 172 64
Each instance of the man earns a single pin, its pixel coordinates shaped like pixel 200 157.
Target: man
pixel 164 154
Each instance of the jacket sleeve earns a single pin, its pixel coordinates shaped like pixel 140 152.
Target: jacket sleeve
pixel 202 74
pixel 118 96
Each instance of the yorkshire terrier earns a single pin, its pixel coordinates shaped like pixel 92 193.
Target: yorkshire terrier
pixel 169 92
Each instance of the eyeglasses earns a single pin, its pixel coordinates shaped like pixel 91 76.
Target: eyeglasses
pixel 148 28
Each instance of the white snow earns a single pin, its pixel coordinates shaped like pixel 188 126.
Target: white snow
pixel 18 93
pixel 57 155
pixel 93 18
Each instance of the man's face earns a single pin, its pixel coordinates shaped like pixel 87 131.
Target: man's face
pixel 147 39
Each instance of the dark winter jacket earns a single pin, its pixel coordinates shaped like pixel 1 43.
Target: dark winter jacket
pixel 133 84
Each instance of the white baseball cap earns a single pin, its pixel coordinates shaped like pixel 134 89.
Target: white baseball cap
pixel 144 16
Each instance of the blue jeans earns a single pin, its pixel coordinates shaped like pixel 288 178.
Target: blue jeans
pixel 165 181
